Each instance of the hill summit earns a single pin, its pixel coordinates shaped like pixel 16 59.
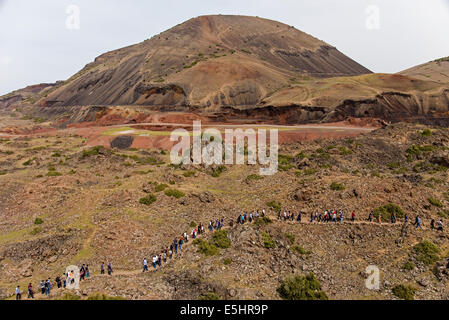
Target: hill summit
pixel 208 61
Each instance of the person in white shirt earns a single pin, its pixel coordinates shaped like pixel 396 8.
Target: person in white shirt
pixel 145 265
pixel 18 294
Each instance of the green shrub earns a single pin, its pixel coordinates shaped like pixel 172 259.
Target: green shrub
pixel 174 193
pixel 301 288
pixel 387 210
pixel 426 252
pixel 337 186
pixel 192 224
pixel 188 174
pixel 149 199
pixel 216 172
pixel 344 151
pixel 300 250
pixel 221 240
pixel 227 261
pixel 206 247
pixel 435 202
pixel 209 296
pixel 409 266
pixel 2 173
pixel 427 132
pixel 444 214
pixel 310 171
pixel 92 151
pixel 405 292
pixel 38 221
pixel 160 187
pixel 262 221
pixel 254 177
pixel 53 174
pixel 268 241
pixel 290 237
pixel 276 206
pixel 35 231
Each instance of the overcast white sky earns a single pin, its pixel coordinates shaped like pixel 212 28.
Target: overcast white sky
pixel 36 46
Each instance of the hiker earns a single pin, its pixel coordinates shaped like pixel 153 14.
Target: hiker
pixel 251 217
pixel 440 225
pixel 82 272
pixel 176 245
pixel 64 280
pixel 299 217
pixel 334 217
pixel 418 222
pixel 145 265
pixel 30 291
pixel 311 217
pixel 72 277
pixel 370 216
pixel 263 213
pixel 279 215
pixel 393 219
pixel 42 286
pixel 102 268
pixel 341 216
pixel 405 218
pixel 170 253
pixel 353 216
pixel 155 262
pixel 109 268
pixel 380 218
pixel 18 294
pixel 180 244
pixel 432 224
pixel 231 223
pixel 48 287
pixel 164 256
pixel 58 282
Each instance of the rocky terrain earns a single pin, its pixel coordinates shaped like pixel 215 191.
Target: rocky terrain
pixel 64 202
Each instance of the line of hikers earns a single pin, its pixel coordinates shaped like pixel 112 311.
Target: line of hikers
pixel 338 217
pixel 168 252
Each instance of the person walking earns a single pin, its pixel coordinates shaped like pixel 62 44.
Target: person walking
pixel 18 293
pixel 102 268
pixel 110 268
pixel 30 291
pixel 42 286
pixel 145 265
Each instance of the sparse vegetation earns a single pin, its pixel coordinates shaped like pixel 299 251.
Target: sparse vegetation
pixel 221 240
pixel 174 193
pixel 405 292
pixel 387 210
pixel 409 266
pixel 206 247
pixel 38 221
pixel 210 296
pixel 227 261
pixel 149 199
pixel 300 250
pixel 268 241
pixel 426 252
pixel 301 288
pixel 435 202
pixel 262 221
pixel 337 186
pixel 276 206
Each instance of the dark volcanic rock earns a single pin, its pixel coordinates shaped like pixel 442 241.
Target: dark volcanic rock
pixel 122 142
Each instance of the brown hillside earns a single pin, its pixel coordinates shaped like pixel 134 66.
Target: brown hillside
pixel 437 71
pixel 209 61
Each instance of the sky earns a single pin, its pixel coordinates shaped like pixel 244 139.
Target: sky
pixel 49 40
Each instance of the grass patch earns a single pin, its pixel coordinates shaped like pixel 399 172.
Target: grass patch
pixel 210 296
pixel 337 186
pixel 38 221
pixel 409 266
pixel 160 187
pixel 99 296
pixel 53 174
pixel 254 177
pixel 216 172
pixel 94 151
pixel 35 231
pixel 221 240
pixel 300 250
pixel 387 210
pixel 70 296
pixel 444 214
pixel 301 288
pixel 426 252
pixel 227 261
pixel 290 237
pixel 405 292
pixel 149 199
pixel 174 193
pixel 268 241
pixel 206 247
pixel 262 221
pixel 276 206
pixel 435 202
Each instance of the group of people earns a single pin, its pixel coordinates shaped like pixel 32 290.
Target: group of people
pixel 329 216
